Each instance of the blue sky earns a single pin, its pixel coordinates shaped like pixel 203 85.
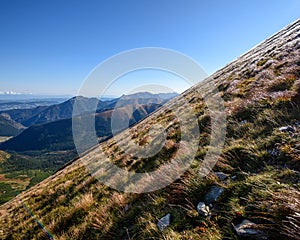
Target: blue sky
pixel 49 47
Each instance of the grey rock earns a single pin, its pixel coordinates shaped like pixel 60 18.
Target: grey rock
pixel 274 152
pixel 287 129
pixel 203 209
pixel 164 222
pixel 127 207
pixel 248 229
pixel 222 176
pixel 233 177
pixel 213 194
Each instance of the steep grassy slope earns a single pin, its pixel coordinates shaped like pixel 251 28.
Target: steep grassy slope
pixel 261 90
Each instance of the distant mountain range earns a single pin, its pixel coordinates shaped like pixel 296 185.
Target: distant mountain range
pixel 41 115
pixel 57 135
pixel 50 128
pixel 46 114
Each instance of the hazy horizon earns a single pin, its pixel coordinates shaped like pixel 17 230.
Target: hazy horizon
pixel 21 96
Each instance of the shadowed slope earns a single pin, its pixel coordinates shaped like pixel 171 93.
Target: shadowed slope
pixel 9 127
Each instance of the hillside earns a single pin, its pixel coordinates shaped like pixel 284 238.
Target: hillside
pixel 253 192
pixel 22 115
pixel 9 127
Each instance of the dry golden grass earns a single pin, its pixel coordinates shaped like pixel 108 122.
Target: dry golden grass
pixel 85 202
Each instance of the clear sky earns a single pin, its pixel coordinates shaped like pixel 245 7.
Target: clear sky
pixel 50 46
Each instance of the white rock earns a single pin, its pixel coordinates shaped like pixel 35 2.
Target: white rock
pixel 287 129
pixel 203 209
pixel 247 229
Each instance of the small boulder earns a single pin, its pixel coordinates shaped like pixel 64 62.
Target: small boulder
pixel 213 194
pixel 248 229
pixel 164 222
pixel 222 176
pixel 233 177
pixel 287 129
pixel 203 209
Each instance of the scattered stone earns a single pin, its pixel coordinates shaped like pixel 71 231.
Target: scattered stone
pixel 213 194
pixel 203 209
pixel 274 152
pixel 127 207
pixel 248 229
pixel 164 222
pixel 222 176
pixel 287 129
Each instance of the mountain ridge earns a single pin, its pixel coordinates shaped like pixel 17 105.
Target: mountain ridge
pixel 64 110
